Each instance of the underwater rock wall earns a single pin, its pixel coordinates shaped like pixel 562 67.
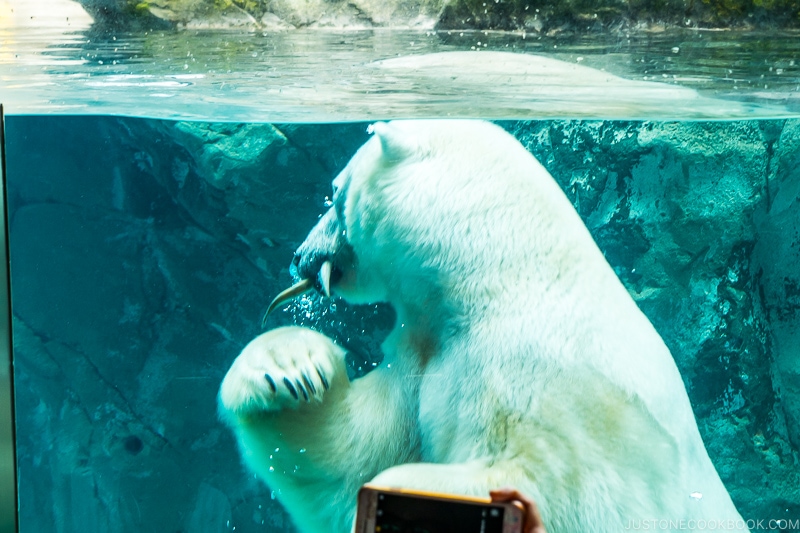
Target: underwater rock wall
pixel 777 255
pixel 125 315
pixel 144 253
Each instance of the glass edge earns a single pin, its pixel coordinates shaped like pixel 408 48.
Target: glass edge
pixel 8 463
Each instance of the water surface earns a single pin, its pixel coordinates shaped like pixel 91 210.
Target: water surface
pixel 329 75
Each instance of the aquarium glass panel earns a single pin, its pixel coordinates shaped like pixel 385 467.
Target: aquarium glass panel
pixel 165 184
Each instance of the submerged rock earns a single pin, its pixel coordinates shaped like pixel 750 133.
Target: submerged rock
pixel 777 256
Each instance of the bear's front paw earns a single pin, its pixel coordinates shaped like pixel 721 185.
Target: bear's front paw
pixel 284 367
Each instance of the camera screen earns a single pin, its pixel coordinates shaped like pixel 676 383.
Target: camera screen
pixel 406 514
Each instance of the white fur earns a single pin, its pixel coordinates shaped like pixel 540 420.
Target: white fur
pixel 518 358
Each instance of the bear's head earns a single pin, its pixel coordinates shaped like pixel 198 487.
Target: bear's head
pixel 346 252
pixel 432 214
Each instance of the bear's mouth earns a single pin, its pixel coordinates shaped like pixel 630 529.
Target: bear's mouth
pixel 321 282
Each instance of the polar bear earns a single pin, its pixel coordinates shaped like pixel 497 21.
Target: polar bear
pixel 518 358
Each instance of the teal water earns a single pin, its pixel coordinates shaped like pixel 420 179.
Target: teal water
pixel 159 183
pixel 327 75
pixel 144 253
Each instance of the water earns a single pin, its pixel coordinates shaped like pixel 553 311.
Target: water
pixel 312 76
pixel 159 183
pixel 144 253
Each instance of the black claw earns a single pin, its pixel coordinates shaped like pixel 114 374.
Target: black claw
pixel 271 382
pixel 302 389
pixel 310 386
pixel 291 388
pixel 321 375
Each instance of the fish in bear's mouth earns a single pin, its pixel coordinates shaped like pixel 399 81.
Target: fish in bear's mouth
pixel 321 282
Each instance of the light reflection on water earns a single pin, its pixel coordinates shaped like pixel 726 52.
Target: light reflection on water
pixel 325 75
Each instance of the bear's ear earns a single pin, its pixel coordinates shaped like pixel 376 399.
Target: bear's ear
pixel 396 144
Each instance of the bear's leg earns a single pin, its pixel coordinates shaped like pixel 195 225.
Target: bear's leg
pixel 309 433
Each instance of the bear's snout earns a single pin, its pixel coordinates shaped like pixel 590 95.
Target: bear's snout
pixel 324 255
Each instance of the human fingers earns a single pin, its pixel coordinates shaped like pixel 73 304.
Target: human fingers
pixel 533 521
